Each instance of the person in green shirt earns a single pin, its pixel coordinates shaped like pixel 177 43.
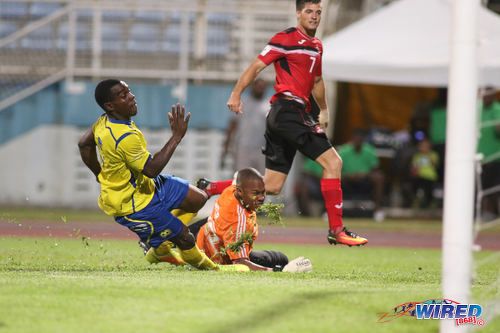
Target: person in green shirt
pixel 488 144
pixel 424 171
pixel 360 171
pixel 489 147
pixel 437 128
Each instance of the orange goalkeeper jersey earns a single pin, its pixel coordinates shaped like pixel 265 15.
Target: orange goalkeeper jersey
pixel 228 223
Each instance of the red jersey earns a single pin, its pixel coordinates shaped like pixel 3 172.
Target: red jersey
pixel 227 223
pixel 297 62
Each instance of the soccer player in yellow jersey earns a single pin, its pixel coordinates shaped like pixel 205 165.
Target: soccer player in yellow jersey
pixel 132 189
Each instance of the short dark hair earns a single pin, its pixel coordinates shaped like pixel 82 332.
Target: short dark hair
pixel 300 4
pixel 244 175
pixel 102 91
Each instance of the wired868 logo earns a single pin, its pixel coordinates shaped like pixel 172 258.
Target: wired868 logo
pixel 437 309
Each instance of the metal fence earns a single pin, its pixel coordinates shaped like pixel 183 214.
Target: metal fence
pixel 44 41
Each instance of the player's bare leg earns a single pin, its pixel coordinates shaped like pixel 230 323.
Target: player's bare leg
pixel 194 200
pixel 274 181
pixel 332 194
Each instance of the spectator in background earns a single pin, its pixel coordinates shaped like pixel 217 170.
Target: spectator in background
pixel 424 171
pixel 437 128
pixel 308 186
pixel 489 146
pixel 245 133
pixel 360 171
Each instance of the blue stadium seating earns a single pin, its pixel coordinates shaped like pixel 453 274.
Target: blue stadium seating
pixel 7 28
pixel 220 18
pixel 83 36
pixel 116 15
pixel 111 37
pixel 217 41
pixel 40 39
pixel 13 9
pixel 172 39
pixel 84 14
pixel 149 16
pixel 144 38
pixel 39 9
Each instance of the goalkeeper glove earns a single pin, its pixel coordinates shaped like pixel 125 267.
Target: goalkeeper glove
pixel 299 264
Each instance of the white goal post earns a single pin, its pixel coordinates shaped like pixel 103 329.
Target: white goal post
pixel 461 142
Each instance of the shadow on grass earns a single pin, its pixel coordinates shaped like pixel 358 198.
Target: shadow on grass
pixel 262 317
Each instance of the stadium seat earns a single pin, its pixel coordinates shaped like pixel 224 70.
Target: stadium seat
pixel 149 16
pixel 84 14
pixel 38 9
pixel 115 15
pixel 172 39
pixel 83 36
pixel 7 28
pixel 13 9
pixel 144 38
pixel 40 39
pixel 217 40
pixel 173 17
pixel 111 38
pixel 220 18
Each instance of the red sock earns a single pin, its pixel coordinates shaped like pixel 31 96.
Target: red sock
pixel 332 193
pixel 218 187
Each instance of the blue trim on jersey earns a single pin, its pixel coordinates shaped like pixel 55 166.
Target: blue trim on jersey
pixel 121 138
pixel 147 161
pixel 132 179
pixel 109 128
pixel 133 203
pixel 116 121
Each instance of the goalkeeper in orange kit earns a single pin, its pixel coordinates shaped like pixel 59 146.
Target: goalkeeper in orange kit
pixel 231 229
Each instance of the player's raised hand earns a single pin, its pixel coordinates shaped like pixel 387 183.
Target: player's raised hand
pixel 178 123
pixel 234 104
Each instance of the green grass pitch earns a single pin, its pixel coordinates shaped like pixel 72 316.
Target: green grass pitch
pixel 90 285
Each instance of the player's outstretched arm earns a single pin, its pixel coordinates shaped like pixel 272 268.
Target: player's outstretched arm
pixel 88 152
pixel 234 102
pixel 179 124
pixel 251 265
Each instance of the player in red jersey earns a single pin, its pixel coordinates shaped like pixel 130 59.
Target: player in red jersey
pixel 296 55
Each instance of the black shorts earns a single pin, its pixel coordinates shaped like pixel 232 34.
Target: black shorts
pixel 290 128
pixel 268 258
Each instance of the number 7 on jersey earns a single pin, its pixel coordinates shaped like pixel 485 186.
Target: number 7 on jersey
pixel 312 65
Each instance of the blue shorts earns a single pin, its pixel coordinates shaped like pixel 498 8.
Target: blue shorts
pixel 155 224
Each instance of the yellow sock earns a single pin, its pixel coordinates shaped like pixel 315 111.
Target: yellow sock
pixel 198 259
pixel 185 217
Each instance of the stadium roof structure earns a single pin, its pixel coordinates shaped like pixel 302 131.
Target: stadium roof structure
pixel 407 43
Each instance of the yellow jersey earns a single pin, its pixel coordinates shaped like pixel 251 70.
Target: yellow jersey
pixel 122 148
